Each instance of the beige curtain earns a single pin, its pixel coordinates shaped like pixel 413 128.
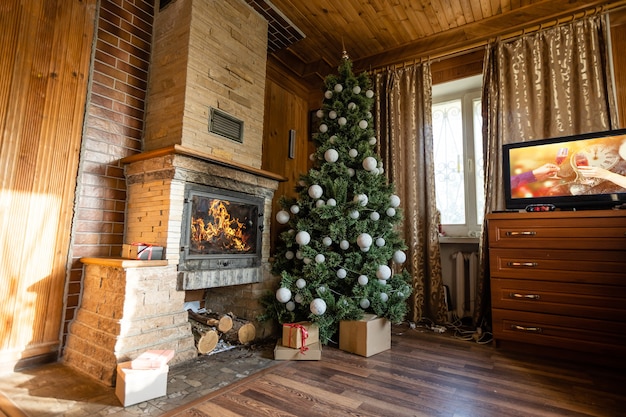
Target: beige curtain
pixel 404 129
pixel 552 83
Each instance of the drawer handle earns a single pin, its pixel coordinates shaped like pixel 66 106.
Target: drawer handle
pixel 526 329
pixel 524 233
pixel 524 296
pixel 522 264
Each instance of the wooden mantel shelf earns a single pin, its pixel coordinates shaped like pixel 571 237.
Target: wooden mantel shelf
pixel 181 150
pixel 124 262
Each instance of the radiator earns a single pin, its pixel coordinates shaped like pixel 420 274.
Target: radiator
pixel 466 272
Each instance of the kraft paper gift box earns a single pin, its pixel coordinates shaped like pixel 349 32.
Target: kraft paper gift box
pixel 134 386
pixel 311 352
pixel 152 359
pixel 365 337
pixel 296 335
pixel 142 251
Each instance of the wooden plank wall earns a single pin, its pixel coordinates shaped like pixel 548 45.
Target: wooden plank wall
pixel 45 49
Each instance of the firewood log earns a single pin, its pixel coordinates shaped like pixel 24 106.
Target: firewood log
pixel 223 323
pixel 205 341
pixel 242 332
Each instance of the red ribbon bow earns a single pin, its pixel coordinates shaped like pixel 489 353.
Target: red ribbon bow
pixel 303 332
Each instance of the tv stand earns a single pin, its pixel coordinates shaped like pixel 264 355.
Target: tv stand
pixel 558 279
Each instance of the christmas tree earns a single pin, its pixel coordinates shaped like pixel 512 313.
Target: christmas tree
pixel 340 255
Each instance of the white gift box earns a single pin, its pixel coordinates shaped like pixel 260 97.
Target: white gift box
pixel 138 385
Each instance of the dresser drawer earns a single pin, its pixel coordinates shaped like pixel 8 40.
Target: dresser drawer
pixel 603 302
pixel 583 233
pixel 589 266
pixel 586 335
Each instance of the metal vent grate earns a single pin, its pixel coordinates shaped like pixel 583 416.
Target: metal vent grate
pixel 226 125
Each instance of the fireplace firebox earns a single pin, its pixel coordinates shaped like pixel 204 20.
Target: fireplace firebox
pixel 221 229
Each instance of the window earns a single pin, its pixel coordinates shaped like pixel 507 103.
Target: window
pixel 457 135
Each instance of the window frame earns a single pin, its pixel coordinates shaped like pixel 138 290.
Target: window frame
pixel 467 90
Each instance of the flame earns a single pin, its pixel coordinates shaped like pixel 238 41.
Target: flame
pixel 223 231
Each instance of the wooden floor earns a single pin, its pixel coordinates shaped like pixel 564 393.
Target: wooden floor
pixel 424 374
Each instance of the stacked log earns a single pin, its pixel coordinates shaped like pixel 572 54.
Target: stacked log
pixel 209 328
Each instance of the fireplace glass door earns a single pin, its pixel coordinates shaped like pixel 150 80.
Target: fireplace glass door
pixel 221 229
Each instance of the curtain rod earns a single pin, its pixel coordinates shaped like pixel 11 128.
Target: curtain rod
pixel 478 45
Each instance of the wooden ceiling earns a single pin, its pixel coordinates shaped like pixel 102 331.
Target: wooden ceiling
pixel 307 36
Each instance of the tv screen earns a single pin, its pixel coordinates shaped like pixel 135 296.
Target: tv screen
pixel 572 172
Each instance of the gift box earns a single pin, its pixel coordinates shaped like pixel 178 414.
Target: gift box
pixel 365 337
pixel 304 333
pixel 143 251
pixel 134 386
pixel 152 359
pixel 311 352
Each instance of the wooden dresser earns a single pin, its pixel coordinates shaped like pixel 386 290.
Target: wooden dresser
pixel 558 279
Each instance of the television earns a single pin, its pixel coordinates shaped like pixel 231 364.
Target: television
pixel 586 171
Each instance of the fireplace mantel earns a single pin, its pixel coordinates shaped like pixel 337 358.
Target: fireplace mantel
pixel 182 150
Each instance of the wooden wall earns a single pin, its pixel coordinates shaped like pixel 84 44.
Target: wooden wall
pixel 45 49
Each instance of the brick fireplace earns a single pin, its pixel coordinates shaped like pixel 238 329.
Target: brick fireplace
pixel 200 65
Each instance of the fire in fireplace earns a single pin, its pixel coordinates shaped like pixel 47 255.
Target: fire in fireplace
pixel 222 229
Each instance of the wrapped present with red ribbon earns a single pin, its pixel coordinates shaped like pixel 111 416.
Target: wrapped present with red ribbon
pixel 143 251
pixel 300 335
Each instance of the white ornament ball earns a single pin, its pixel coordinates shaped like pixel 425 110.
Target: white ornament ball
pixel 391 212
pixel 351 172
pixel 290 306
pixel 338 88
pixel 369 163
pixel 315 191
pixel 374 216
pixel 363 280
pixel 318 306
pixel 353 153
pixel 320 259
pixel 342 121
pixel 303 238
pixel 331 202
pixel 394 200
pixel 327 241
pixel 299 254
pixel 321 289
pixel 364 303
pixel 362 199
pixel 364 240
pixel 381 170
pixel 341 273
pixel 399 257
pixel 383 272
pixel 289 255
pixel 369 115
pixel 366 249
pixel 384 297
pixel 323 128
pixel 320 203
pixel 300 283
pixel 306 261
pixel 328 94
pixel 282 217
pixel 354 214
pixel 320 113
pixel 344 244
pixel 312 157
pixel 295 209
pixel 333 138
pixel 356 89
pixel 363 124
pixel 372 141
pixel 283 294
pixel 369 94
pixel 332 114
pixel 331 155
pixel 298 298
pixel 351 106
pixel 380 242
pixel 382 282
